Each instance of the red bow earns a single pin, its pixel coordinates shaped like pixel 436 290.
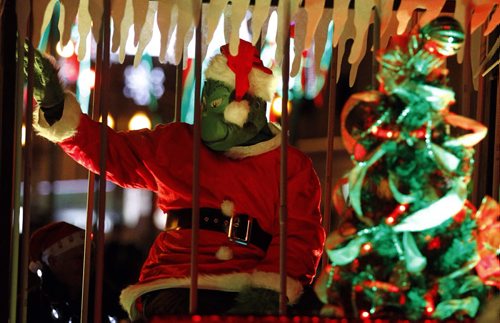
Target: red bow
pixel 242 64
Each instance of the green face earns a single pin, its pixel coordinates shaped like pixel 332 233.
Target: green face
pixel 217 133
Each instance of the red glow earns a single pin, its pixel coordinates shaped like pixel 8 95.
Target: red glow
pixel 402 208
pixel 365 314
pixel 389 220
pixel 435 243
pixel 402 299
pixel 429 309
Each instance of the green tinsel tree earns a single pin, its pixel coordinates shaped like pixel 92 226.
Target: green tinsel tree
pixel 409 241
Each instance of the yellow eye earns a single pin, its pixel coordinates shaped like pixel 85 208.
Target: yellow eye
pixel 216 103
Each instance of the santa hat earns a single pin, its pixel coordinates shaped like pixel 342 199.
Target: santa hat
pixel 244 72
pixel 52 240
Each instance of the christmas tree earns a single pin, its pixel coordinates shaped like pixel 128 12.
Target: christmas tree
pixel 409 244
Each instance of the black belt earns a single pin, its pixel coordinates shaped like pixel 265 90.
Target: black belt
pixel 240 228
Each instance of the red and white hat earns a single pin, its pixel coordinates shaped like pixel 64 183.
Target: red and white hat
pixel 52 240
pixel 246 73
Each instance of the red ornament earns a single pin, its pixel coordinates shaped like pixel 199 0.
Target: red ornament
pixel 435 243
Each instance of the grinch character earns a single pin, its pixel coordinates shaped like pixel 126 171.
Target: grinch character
pixel 238 256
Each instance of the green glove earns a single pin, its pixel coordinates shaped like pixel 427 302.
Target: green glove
pixel 256 301
pixel 48 90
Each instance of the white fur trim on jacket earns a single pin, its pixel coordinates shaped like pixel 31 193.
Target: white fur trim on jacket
pixel 62 129
pixel 240 152
pixel 262 85
pixel 271 281
pixel 237 112
pixel 233 282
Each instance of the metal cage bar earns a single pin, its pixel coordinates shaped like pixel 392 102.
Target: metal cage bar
pixel 27 160
pixel 178 91
pixel 283 216
pixel 328 182
pixel 103 109
pixel 193 291
pixel 480 116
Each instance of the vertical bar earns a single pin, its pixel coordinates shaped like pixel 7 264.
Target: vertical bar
pixel 7 119
pixel 103 109
pixel 496 144
pixel 95 112
pixel 16 167
pixel 466 78
pixel 193 291
pixel 87 249
pixel 376 41
pixel 332 104
pixel 476 191
pixel 466 68
pixel 284 159
pixel 178 91
pixel 28 154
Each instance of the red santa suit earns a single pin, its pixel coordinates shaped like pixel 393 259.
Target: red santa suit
pixel 244 180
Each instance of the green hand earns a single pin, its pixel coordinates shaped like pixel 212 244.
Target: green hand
pixel 47 88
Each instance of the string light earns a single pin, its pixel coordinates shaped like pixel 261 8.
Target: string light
pixel 365 314
pixel 139 121
pixel 276 106
pixel 111 121
pixel 367 247
pixel 23 135
pixel 87 78
pixel 400 209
